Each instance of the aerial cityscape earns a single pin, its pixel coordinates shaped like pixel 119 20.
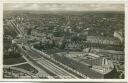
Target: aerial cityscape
pixel 62 44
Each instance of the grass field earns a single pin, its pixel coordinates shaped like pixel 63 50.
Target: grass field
pixel 28 68
pixel 11 61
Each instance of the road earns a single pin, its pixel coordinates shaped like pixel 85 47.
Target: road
pixel 61 73
pixel 44 64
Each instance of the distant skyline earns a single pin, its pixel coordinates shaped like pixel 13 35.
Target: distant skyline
pixel 63 7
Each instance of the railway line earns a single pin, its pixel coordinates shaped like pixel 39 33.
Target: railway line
pixel 61 73
pixel 43 62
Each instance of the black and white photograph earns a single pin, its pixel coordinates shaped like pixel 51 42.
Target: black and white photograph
pixel 63 41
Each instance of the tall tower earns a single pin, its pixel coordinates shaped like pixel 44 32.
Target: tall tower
pixel 104 61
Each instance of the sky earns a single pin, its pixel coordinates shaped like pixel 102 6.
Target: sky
pixel 63 7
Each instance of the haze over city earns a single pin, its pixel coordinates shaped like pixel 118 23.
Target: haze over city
pixel 63 7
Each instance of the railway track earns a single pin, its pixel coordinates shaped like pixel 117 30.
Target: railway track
pixel 61 73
